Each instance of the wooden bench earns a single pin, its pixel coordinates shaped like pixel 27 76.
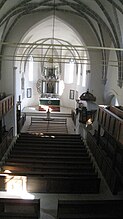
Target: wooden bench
pixel 85 168
pixel 45 120
pixel 83 164
pixel 56 135
pixel 53 166
pixel 55 173
pixel 50 141
pixel 49 159
pixel 90 209
pixel 59 128
pixel 46 152
pixel 52 147
pixel 69 185
pixel 84 160
pixel 19 208
pixel 39 124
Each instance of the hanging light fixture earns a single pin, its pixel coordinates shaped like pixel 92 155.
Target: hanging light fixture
pixel 51 59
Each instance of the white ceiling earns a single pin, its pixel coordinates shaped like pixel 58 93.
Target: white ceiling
pixel 95 12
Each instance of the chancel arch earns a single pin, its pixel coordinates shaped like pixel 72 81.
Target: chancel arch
pixel 55 57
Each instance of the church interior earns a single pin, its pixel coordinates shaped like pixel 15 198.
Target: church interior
pixel 61 109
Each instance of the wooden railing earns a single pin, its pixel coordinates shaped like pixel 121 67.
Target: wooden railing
pixel 6 141
pixel 6 105
pixel 110 119
pixel 107 146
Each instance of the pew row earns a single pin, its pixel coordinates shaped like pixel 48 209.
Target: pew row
pixel 53 166
pixel 67 185
pixel 56 135
pixel 50 120
pixel 19 208
pixel 90 209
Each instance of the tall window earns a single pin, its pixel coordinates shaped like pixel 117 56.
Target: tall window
pixel 69 72
pixel 31 68
pixel 84 73
pixel 79 74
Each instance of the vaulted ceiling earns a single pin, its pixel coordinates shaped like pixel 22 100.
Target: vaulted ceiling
pixel 102 16
pixel 104 13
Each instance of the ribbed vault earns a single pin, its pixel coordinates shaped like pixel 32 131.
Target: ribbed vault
pixel 103 17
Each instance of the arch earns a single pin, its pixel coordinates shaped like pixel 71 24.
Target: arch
pixel 114 101
pixel 40 42
pixel 112 98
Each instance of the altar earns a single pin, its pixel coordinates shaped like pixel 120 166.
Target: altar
pixel 52 103
pixel 48 88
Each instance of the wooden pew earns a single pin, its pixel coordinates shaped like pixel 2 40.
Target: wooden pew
pixel 19 208
pixel 38 152
pixel 69 185
pixel 48 139
pixel 58 128
pixel 57 173
pixel 57 166
pixel 56 135
pixel 48 143
pixel 15 167
pixel 19 161
pixel 56 125
pixel 52 147
pixel 53 165
pixel 90 209
pixel 49 159
pixel 45 120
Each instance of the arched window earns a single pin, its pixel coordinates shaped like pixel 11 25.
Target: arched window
pixel 69 72
pixel 31 68
pixel 84 73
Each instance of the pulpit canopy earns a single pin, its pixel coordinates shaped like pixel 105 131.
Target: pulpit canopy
pixel 87 96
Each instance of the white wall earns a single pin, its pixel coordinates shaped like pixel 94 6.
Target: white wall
pixel 89 38
pixel 111 87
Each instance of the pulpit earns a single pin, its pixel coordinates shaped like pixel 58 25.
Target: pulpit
pixel 87 108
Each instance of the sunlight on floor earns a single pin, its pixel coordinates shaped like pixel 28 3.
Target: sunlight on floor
pixel 16 185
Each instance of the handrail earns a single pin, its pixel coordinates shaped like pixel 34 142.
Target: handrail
pixel 6 105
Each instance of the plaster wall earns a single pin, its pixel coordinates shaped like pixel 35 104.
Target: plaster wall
pixel 82 29
pixel 111 87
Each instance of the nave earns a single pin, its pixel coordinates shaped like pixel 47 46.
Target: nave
pixel 59 168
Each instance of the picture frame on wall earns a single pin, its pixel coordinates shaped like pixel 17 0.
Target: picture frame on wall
pixel 71 95
pixel 29 92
